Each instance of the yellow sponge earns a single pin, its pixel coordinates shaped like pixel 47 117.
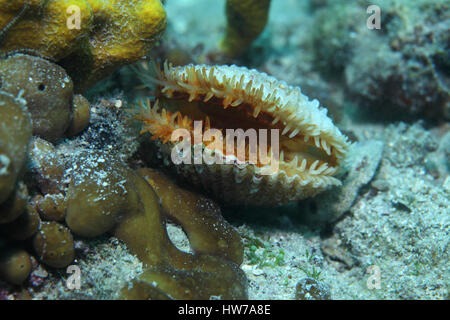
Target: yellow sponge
pixel 90 38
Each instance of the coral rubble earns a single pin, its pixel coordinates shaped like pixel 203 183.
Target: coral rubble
pixel 408 76
pixel 310 289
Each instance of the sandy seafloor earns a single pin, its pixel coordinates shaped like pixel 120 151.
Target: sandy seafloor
pixel 390 220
